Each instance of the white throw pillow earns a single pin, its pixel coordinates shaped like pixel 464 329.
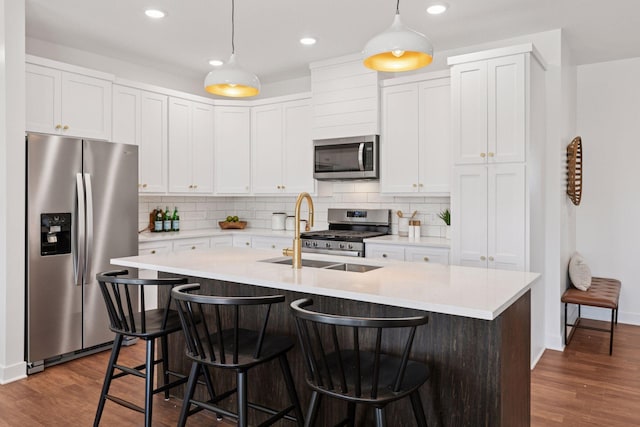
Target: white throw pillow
pixel 579 272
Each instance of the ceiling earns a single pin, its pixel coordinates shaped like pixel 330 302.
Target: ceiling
pixel 267 31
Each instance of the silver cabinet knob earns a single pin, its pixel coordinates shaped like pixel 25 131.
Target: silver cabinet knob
pixel 246 243
pixel 273 246
pixel 384 255
pixel 153 252
pixel 483 258
pixel 426 259
pixel 193 247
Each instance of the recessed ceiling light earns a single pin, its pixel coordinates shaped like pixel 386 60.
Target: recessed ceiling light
pixel 216 62
pixel 155 13
pixel 308 41
pixel 437 8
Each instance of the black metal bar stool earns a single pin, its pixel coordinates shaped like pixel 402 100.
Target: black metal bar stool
pixel 126 321
pixel 338 365
pixel 218 341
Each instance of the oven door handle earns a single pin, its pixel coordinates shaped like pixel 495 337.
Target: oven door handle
pixel 361 156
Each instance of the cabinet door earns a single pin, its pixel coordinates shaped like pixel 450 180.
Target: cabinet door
pixel 85 107
pixel 430 255
pixel 152 153
pixel 202 148
pixel 232 150
pixel 191 244
pixel 506 217
pixel 506 103
pixel 435 136
pixel 154 248
pixel 241 241
pixel 126 115
pixel 42 86
pixel 297 148
pixel 469 216
pixel 469 112
pixel 384 251
pixel 180 178
pixel 400 142
pixel 266 149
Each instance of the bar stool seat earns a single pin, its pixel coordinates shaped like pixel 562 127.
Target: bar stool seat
pixel 220 342
pixel 119 294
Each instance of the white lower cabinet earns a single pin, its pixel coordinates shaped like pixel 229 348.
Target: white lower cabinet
pixel 260 242
pixel 155 248
pixel 242 241
pixel 221 242
pixel 191 244
pixel 152 248
pixel 407 253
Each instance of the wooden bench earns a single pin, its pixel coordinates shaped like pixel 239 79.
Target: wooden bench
pixel 603 293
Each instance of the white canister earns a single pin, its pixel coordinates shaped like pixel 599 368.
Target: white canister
pixel 290 223
pixel 278 220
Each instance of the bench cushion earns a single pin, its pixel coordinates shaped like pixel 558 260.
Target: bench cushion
pixel 603 293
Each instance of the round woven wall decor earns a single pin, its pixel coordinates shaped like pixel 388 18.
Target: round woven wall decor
pixel 574 170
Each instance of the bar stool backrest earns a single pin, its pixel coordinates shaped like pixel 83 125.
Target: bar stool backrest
pixel 119 297
pixel 215 339
pixel 336 357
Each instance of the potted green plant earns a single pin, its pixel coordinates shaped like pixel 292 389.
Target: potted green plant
pixel 445 216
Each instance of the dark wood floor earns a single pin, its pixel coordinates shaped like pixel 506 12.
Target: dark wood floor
pixel 583 386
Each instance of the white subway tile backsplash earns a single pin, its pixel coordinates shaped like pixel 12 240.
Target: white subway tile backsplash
pixel 205 212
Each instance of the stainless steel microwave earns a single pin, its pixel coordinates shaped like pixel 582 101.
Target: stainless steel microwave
pixel 346 158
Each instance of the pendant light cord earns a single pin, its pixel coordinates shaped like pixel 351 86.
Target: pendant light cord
pixel 233 26
pixel 398 8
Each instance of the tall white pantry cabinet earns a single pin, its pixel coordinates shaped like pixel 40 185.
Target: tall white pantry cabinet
pixel 498 137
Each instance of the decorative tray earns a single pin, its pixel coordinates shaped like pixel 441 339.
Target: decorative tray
pixel 225 225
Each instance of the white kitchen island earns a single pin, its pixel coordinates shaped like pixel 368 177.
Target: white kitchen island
pixel 476 343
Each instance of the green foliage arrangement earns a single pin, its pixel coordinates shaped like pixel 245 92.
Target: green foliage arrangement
pixel 445 215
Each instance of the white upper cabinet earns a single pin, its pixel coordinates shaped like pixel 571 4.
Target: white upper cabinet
pixel 345 97
pixel 281 148
pixel 415 145
pixel 232 150
pixel 190 146
pixel 67 103
pixel 140 118
pixel 489 110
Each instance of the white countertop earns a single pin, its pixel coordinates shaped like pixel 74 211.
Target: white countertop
pixel 210 232
pixel 462 291
pixel 392 239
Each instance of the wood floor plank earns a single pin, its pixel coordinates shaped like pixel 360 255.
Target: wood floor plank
pixel 582 387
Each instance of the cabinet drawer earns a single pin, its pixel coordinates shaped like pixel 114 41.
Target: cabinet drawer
pixel 384 252
pixel 191 244
pixel 221 242
pixel 154 248
pixel 242 241
pixel 271 242
pixel 431 255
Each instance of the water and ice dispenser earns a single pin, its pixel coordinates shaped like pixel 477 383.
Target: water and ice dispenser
pixel 55 233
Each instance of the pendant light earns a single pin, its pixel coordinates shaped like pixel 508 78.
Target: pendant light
pixel 398 48
pixel 231 80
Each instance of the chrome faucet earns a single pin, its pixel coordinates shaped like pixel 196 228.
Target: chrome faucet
pixel 296 252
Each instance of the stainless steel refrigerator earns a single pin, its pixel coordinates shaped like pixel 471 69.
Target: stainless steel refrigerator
pixel 82 210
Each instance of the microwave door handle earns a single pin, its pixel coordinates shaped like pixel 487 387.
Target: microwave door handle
pixel 78 264
pixel 361 156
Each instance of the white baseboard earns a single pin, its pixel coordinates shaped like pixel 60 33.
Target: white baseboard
pixel 13 373
pixel 555 342
pixel 536 358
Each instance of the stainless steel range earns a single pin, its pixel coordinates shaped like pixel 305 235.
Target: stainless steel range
pixel 347 230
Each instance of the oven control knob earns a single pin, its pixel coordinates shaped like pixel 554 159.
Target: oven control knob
pixel 307 244
pixel 350 246
pixel 341 245
pixel 315 244
pixel 327 245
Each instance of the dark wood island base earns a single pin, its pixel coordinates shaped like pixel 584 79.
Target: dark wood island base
pixel 480 369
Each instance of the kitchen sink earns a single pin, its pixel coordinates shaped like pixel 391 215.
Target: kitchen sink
pixel 328 265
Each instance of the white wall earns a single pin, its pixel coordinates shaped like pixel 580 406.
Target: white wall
pixel 608 230
pixel 12 164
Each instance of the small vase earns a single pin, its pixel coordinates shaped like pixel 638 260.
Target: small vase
pixel 448 232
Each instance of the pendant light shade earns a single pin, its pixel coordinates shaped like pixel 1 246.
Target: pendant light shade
pixel 398 49
pixel 231 80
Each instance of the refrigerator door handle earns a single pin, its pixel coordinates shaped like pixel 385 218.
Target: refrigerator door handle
pixel 89 220
pixel 78 264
